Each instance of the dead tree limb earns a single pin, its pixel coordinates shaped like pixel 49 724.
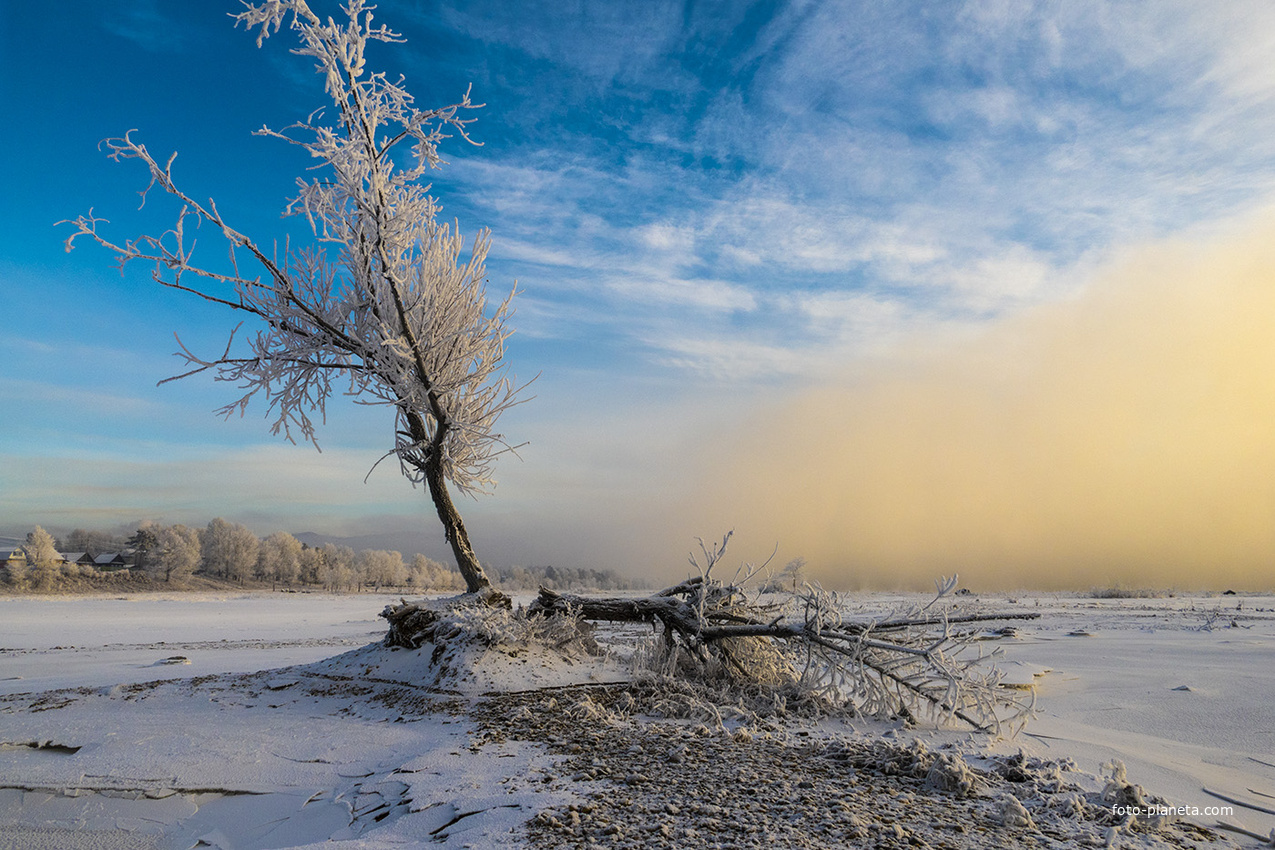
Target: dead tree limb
pixel 909 663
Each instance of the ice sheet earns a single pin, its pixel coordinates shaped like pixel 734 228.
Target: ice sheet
pixel 60 642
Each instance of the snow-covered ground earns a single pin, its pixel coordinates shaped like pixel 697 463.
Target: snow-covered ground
pixel 1181 690
pixel 66 642
pixel 275 724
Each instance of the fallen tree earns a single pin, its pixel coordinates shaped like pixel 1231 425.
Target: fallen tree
pixel 926 661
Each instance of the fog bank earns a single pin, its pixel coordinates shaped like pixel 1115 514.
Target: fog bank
pixel 1124 436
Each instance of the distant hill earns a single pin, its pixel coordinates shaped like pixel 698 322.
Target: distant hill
pixel 406 543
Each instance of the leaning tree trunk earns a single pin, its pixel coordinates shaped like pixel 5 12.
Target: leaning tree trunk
pixel 454 529
pixel 454 532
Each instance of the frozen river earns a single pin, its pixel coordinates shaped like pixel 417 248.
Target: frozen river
pixel 64 642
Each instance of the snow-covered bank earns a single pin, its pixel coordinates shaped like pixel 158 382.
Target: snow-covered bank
pixel 342 742
pixel 1181 690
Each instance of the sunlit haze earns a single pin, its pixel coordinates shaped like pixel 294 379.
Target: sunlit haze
pixel 1116 438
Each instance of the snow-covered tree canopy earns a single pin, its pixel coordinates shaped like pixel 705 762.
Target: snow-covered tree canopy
pixel 41 549
pixel 383 305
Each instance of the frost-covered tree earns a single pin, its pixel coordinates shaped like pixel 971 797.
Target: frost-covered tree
pixel 176 552
pixel 17 572
pixel 42 558
pixel 41 549
pixel 792 577
pixel 419 570
pixel 383 304
pixel 280 558
pixel 427 574
pixel 380 568
pixel 311 565
pixel 228 549
pixel 338 566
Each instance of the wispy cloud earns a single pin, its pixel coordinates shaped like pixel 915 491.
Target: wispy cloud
pixel 731 358
pixel 75 401
pixel 142 23
pixel 712 295
pixel 962 163
pixel 280 485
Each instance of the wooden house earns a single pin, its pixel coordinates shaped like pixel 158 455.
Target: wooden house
pixel 110 561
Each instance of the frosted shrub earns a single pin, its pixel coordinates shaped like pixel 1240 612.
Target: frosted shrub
pixel 16 574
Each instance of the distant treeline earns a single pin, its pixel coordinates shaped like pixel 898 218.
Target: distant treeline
pixel 232 552
pixel 562 578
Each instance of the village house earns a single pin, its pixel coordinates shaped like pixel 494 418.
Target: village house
pixel 106 562
pixel 111 561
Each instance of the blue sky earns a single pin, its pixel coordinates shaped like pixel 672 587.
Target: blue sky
pixel 710 208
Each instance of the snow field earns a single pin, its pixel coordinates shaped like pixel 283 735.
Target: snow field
pixel 287 729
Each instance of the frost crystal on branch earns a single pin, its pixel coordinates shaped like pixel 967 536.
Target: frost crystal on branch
pixel 384 306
